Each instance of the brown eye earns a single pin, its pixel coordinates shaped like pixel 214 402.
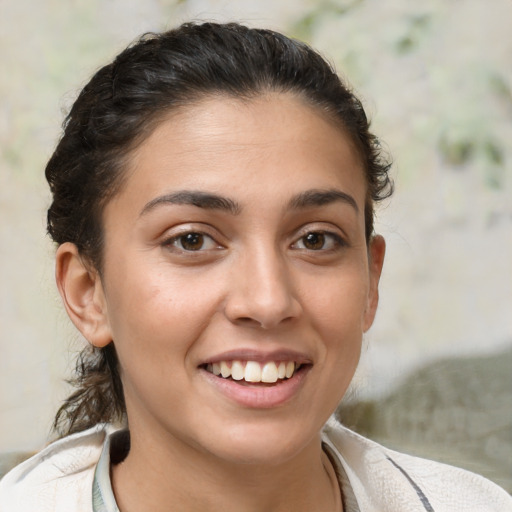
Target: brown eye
pixel 314 241
pixel 319 241
pixel 192 241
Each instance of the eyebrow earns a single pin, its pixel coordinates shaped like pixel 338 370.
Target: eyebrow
pixel 209 201
pixel 312 198
pixel 200 199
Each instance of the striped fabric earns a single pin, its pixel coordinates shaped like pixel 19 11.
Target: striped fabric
pixel 103 499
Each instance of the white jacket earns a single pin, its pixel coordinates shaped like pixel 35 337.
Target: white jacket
pixel 60 478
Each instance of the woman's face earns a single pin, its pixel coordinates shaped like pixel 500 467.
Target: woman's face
pixel 237 244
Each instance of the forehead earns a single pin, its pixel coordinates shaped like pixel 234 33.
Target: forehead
pixel 274 142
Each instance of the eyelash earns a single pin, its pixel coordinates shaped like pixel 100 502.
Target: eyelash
pixel 336 241
pixel 176 242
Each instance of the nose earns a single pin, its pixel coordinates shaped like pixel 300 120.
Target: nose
pixel 262 291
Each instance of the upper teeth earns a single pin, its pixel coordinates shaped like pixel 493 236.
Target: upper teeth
pixel 252 371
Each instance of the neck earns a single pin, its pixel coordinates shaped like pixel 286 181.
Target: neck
pixel 180 478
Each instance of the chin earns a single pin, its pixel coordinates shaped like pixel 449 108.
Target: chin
pixel 263 444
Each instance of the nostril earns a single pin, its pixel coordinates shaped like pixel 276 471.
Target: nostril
pixel 246 320
pixel 262 324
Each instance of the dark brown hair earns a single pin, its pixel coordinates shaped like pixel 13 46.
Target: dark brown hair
pixel 119 108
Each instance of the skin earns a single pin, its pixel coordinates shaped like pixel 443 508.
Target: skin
pixel 255 284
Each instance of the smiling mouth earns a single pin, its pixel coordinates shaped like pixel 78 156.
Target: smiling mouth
pixel 253 371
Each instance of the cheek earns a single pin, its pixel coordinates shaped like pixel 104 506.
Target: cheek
pixel 338 309
pixel 157 316
pixel 338 303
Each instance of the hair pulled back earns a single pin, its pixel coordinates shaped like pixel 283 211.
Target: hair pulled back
pixel 119 108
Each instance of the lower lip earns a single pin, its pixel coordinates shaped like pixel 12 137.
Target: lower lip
pixel 259 396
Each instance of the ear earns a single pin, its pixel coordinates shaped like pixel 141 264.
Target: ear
pixel 376 252
pixel 81 290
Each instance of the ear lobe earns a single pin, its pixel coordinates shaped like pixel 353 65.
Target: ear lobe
pixel 376 253
pixel 82 293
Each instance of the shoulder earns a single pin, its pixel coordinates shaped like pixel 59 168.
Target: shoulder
pixel 385 480
pixel 58 476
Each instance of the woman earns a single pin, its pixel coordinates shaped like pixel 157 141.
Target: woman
pixel 213 197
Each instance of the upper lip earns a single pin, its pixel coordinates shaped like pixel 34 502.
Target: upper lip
pixel 260 356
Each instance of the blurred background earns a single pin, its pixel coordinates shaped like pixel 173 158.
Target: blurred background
pixel 436 78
